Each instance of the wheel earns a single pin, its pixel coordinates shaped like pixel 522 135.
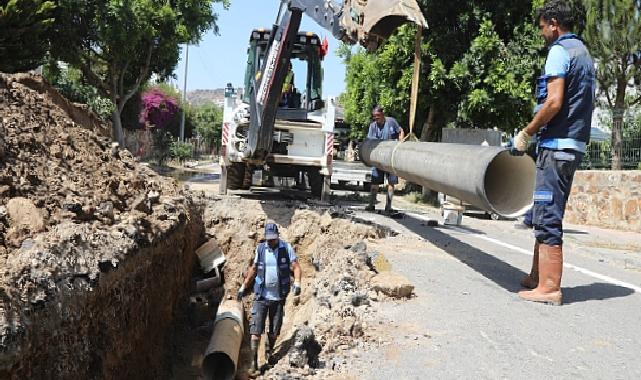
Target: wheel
pixel 236 176
pixel 315 180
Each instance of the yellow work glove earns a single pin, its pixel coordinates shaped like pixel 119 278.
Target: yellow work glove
pixel 521 141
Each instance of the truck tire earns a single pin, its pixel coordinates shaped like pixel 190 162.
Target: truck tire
pixel 236 176
pixel 315 180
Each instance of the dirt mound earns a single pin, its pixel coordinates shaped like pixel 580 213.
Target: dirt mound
pixel 72 204
pixel 332 314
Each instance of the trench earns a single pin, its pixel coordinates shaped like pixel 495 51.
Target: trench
pixel 235 226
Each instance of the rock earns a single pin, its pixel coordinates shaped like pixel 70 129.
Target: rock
pixel 24 214
pixel 359 247
pixel 379 262
pixel 359 299
pixel 392 285
pixel 141 204
pixel 106 210
pixel 153 197
pixel 115 147
pixel 2 150
pixel 305 349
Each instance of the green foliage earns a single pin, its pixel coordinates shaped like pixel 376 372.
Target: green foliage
pixel 180 151
pixel 119 44
pixel 69 82
pixel 206 121
pixel 26 28
pixel 162 141
pixel 612 32
pixel 479 62
pixel 496 79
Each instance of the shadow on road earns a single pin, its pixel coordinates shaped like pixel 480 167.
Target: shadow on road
pixel 594 291
pixel 500 272
pixel 496 270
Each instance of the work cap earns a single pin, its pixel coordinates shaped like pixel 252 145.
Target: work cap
pixel 271 230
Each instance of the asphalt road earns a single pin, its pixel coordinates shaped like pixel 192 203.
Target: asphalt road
pixel 466 321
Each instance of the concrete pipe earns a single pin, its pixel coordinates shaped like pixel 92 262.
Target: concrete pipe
pixel 489 178
pixel 221 357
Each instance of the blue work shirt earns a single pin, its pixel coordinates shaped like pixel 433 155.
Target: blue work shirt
pixel 389 131
pixel 270 291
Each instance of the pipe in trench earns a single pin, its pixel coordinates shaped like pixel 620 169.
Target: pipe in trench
pixel 221 358
pixel 489 178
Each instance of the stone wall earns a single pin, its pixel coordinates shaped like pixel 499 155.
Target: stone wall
pixel 122 328
pixel 609 199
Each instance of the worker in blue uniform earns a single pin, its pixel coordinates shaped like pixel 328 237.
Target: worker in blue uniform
pixel 383 128
pixel 563 124
pixel 274 262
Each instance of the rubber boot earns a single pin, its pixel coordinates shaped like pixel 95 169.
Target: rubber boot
pixel 269 350
pixel 531 281
pixel 550 271
pixel 388 201
pixel 253 369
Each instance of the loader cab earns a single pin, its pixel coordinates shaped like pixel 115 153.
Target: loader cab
pixel 306 60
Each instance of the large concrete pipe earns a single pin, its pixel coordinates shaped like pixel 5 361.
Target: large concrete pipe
pixel 489 178
pixel 221 357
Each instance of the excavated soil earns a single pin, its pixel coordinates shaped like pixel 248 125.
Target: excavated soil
pixel 96 250
pixel 337 304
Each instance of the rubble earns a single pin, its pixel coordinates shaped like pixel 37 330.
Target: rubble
pixel 338 300
pixel 392 285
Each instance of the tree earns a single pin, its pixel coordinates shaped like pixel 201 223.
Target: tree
pixel 496 79
pixel 479 61
pixel 25 27
pixel 612 32
pixel 206 121
pixel 118 45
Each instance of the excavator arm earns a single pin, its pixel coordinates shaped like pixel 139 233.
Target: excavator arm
pixel 356 21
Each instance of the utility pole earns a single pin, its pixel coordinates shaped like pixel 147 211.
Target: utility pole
pixel 182 117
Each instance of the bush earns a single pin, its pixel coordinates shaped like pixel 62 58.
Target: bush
pixel 162 146
pixel 181 151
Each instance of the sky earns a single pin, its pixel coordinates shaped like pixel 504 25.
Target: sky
pixel 221 59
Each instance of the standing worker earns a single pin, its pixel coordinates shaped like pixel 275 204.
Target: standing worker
pixel 383 128
pixel 274 260
pixel 564 123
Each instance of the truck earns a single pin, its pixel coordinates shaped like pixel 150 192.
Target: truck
pixel 290 134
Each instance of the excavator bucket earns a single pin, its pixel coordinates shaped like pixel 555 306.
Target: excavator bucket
pixel 370 22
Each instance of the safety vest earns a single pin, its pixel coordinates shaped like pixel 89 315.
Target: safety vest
pixel 574 119
pixel 283 271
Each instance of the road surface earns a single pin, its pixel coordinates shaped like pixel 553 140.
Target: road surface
pixel 466 321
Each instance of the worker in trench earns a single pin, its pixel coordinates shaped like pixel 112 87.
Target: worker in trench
pixel 274 261
pixel 563 123
pixel 383 128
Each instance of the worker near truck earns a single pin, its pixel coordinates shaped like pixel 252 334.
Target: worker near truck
pixel 383 128
pixel 564 122
pixel 274 260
